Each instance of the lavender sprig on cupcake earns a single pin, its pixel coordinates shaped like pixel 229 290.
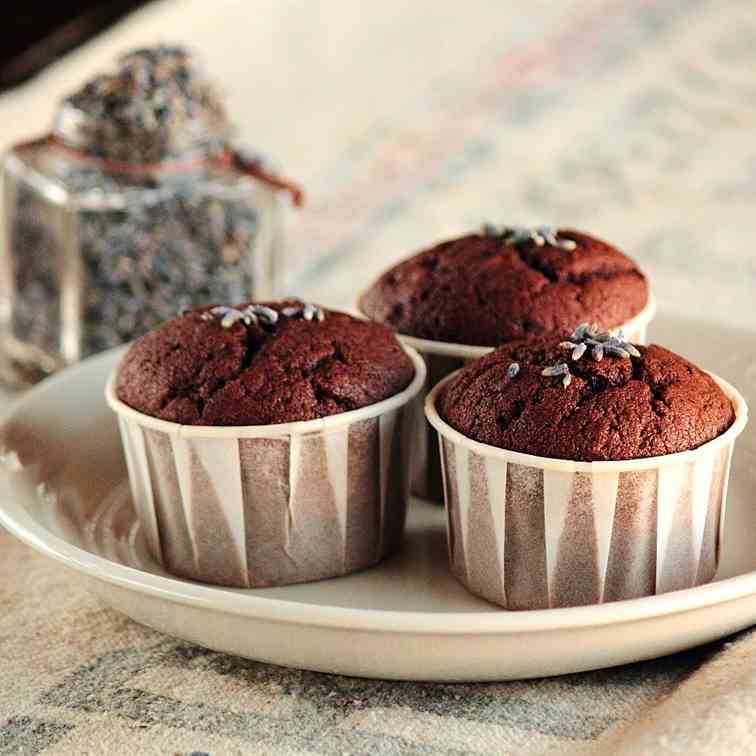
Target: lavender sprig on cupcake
pixel 590 338
pixel 541 236
pixel 600 343
pixel 260 314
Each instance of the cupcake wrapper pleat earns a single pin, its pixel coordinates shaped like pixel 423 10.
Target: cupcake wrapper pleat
pixel 141 487
pixel 266 511
pixel 528 537
pixel 426 468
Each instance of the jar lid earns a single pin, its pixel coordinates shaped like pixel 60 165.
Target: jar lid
pixel 156 105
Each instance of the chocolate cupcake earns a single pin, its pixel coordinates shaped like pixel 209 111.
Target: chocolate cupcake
pixel 267 443
pixel 584 469
pixel 459 299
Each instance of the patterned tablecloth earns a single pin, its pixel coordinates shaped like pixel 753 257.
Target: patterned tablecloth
pixel 409 121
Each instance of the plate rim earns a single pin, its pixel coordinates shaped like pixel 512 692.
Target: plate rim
pixel 17 520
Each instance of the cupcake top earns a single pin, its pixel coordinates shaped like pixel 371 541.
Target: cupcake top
pixel 587 398
pixel 258 364
pixel 505 284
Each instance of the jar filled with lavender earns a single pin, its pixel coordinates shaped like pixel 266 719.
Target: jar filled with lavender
pixel 135 206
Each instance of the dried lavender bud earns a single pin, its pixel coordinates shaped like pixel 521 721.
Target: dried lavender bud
pixel 539 235
pixel 615 351
pixel 601 342
pixel 561 368
pixel 229 316
pixel 258 314
pixel 522 234
pixel 295 310
pixel 513 370
pixel 304 310
pixel 578 351
pixel 267 314
pixel 310 312
pixel 580 332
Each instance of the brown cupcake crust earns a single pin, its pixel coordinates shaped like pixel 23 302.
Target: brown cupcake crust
pixel 476 290
pixel 196 372
pixel 616 409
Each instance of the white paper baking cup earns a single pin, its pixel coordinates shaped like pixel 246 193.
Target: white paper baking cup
pixel 530 532
pixel 443 358
pixel 266 505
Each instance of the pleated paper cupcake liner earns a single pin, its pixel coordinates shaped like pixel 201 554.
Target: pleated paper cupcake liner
pixel 441 359
pixel 529 532
pixel 256 506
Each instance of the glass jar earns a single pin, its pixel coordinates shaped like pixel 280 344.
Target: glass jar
pixel 112 229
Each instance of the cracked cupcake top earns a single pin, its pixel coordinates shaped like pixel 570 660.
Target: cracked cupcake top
pixel 618 407
pixel 506 284
pixel 258 364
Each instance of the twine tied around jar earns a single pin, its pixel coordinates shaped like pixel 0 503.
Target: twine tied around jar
pixel 155 112
pixel 229 159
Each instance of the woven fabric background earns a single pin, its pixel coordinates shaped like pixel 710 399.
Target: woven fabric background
pixel 407 122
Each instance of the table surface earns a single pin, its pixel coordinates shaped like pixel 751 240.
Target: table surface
pixel 408 122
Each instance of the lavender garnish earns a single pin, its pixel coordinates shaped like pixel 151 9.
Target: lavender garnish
pixel 513 370
pixel 561 368
pixel 304 310
pixel 250 315
pixel 600 343
pixel 262 315
pixel 541 236
pixel 578 351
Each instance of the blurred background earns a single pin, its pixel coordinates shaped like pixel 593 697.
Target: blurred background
pixel 36 33
pixel 409 121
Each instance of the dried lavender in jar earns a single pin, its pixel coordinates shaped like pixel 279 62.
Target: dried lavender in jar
pixel 133 207
pixel 140 265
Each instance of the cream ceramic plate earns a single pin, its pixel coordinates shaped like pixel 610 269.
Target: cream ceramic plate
pixel 407 619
